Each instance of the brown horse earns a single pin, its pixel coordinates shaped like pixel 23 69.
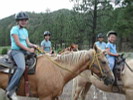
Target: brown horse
pixel 52 74
pixel 82 85
pixel 72 47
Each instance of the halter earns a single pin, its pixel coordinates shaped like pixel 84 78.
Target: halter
pixel 99 65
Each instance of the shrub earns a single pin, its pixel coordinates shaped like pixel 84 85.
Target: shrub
pixel 4 51
pixel 58 50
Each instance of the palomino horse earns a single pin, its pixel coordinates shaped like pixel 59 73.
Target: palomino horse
pixel 52 74
pixel 82 85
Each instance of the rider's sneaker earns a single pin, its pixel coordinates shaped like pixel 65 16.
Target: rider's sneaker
pixel 11 97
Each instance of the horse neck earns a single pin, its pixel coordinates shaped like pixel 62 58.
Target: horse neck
pixel 127 73
pixel 78 62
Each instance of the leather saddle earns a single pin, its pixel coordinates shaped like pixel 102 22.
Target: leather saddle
pixel 7 62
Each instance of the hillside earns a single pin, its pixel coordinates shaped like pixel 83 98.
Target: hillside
pixel 69 26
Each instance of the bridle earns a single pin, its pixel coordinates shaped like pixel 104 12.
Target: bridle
pixel 102 71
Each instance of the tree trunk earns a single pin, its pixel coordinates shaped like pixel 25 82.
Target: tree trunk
pixel 94 23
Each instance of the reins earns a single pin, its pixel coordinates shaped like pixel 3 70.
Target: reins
pixel 94 58
pixel 43 52
pixel 128 67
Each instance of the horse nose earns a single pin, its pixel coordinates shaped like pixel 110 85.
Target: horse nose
pixel 109 81
pixel 112 80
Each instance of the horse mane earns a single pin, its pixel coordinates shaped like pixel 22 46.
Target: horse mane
pixel 73 57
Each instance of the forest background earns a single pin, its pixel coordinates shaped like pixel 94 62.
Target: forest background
pixel 80 25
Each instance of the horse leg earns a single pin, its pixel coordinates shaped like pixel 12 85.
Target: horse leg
pixel 77 92
pixel 76 89
pixel 104 95
pixel 74 85
pixel 85 91
pixel 95 93
pixel 129 94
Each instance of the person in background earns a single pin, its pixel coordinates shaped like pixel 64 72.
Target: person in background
pixel 46 43
pixel 100 41
pixel 111 48
pixel 102 45
pixel 20 44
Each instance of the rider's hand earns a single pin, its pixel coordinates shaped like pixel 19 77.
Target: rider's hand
pixel 117 55
pixel 51 52
pixel 34 46
pixel 31 50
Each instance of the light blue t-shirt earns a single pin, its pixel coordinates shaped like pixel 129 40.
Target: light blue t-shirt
pixel 112 48
pixel 101 45
pixel 22 35
pixel 46 45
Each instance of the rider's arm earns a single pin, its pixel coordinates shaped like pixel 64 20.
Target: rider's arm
pixel 42 45
pixel 51 51
pixel 111 54
pixel 30 44
pixel 15 36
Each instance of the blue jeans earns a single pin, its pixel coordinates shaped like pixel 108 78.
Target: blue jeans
pixel 111 62
pixel 19 58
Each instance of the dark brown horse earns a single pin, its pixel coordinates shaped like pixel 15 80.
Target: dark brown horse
pixel 52 74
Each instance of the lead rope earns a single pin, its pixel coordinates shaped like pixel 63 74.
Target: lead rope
pixel 128 67
pixel 95 57
pixel 43 52
pixel 99 65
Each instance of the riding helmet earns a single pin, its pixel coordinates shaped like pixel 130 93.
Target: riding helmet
pixel 111 32
pixel 100 35
pixel 21 16
pixel 46 33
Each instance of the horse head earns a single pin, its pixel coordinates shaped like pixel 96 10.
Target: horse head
pixel 100 66
pixel 120 62
pixel 94 60
pixel 119 59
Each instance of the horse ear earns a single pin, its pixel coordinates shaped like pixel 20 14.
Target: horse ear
pixel 96 48
pixel 104 52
